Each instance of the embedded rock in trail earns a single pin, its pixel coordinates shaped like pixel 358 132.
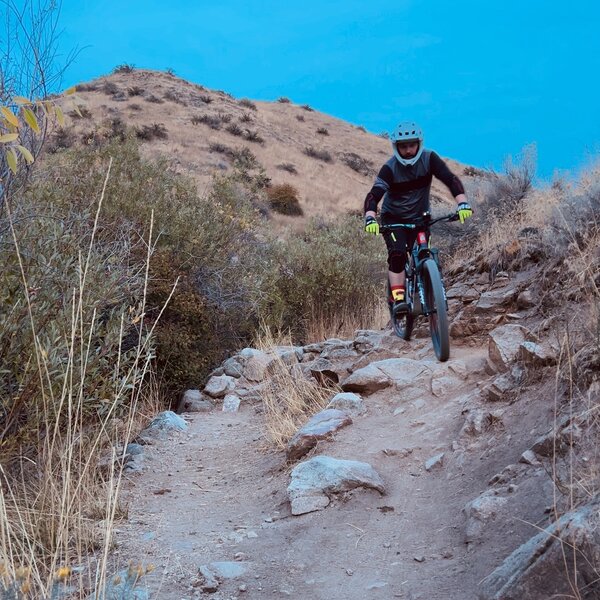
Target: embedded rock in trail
pixel 546 565
pixel 231 403
pixel 314 481
pixel 219 385
pixel 194 401
pixel 367 340
pixel 319 427
pixel 463 292
pixel 348 402
pixel 504 345
pixel 479 512
pixel 232 367
pixel 161 425
pixel 400 372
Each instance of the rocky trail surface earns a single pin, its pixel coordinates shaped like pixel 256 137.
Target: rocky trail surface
pixel 447 484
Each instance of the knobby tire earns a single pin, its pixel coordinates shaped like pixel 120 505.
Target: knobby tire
pixel 402 323
pixel 438 318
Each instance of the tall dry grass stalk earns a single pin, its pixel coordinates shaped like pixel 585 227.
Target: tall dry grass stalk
pixel 289 399
pixel 57 509
pixel 344 323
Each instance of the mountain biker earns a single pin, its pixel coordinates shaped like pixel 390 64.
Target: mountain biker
pixel 404 183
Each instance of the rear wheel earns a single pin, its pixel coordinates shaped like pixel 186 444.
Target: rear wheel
pixel 436 305
pixel 402 322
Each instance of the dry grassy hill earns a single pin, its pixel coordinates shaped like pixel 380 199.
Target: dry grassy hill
pixel 198 128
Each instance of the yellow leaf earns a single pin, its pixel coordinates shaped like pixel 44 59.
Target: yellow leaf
pixel 60 117
pixel 9 116
pixel 71 91
pixel 21 100
pixel 25 153
pixel 11 159
pixel 8 137
pixel 31 119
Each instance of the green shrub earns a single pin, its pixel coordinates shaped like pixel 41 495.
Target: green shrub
pixel 212 121
pixel 234 129
pixel 322 131
pixel 135 90
pixel 307 107
pixel 151 132
pixel 328 271
pixel 284 199
pixel 283 100
pixel 357 163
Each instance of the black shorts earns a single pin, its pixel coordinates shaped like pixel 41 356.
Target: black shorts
pixel 399 242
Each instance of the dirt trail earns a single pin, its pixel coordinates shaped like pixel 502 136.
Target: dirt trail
pixel 217 493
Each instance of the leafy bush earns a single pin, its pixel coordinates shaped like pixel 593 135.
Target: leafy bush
pixel 204 98
pixel 361 128
pixel 246 118
pixel 322 131
pixel 307 107
pixel 284 199
pixel 289 167
pixel 246 103
pixel 283 100
pixel 323 155
pixel 326 272
pixel 473 172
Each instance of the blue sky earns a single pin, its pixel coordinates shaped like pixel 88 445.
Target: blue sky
pixel 483 79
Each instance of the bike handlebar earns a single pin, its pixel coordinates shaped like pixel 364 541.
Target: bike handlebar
pixel 449 217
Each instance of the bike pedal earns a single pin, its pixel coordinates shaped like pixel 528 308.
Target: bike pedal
pixel 400 307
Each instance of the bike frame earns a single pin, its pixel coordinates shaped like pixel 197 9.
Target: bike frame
pixel 419 253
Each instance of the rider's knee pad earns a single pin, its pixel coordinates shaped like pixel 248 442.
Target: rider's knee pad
pixel 396 261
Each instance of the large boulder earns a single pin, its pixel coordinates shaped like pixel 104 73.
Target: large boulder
pixel 194 401
pixel 495 300
pixel 315 481
pixel 320 426
pixel 399 372
pixel 219 385
pixel 160 427
pixel 547 565
pixel 255 364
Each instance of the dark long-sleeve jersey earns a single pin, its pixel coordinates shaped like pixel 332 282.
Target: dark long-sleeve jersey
pixel 405 189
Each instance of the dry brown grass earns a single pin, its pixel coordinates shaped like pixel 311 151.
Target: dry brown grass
pixel 61 505
pixel 330 189
pixel 289 399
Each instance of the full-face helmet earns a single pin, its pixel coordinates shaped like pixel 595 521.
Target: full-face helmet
pixel 407 131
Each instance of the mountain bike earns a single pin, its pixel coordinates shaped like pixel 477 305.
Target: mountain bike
pixel 425 293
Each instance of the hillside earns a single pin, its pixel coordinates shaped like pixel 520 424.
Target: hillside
pixel 196 126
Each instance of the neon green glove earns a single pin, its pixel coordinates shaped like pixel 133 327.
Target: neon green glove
pixel 371 225
pixel 464 211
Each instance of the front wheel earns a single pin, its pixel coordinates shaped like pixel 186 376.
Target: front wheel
pixel 436 308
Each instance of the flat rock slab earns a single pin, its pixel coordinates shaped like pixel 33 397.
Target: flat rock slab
pixel 399 372
pixel 316 480
pixel 231 403
pixel 538 569
pixel 319 427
